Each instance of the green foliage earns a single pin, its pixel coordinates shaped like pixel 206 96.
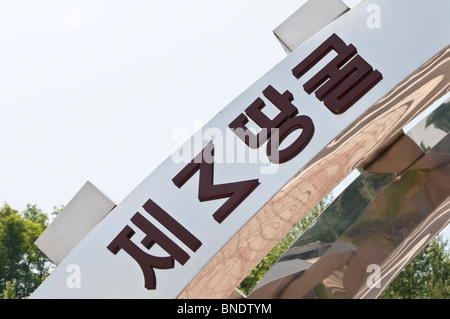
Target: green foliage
pixel 264 266
pixel 22 265
pixel 57 210
pixel 10 290
pixel 440 118
pixel 426 277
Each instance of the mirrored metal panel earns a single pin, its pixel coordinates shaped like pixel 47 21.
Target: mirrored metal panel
pixel 379 223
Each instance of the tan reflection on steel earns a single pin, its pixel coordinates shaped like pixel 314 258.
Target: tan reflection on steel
pixel 383 219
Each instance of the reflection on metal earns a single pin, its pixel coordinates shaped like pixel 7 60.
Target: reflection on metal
pixel 307 21
pixel 84 211
pixel 381 221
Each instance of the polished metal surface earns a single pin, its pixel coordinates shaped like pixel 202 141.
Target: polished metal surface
pixel 431 130
pixel 105 275
pixel 381 220
pixel 307 21
pixel 84 211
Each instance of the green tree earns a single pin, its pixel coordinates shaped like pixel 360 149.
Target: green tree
pixel 264 266
pixel 440 118
pixel 22 265
pixel 10 290
pixel 426 277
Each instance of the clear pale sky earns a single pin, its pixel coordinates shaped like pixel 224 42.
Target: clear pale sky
pixel 93 90
pixel 100 102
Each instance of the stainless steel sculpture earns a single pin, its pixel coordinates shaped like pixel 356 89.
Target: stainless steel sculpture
pixel 383 219
pixel 370 224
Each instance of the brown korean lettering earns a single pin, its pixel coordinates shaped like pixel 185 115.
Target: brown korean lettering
pixel 254 112
pixel 343 81
pixel 277 129
pixel 304 123
pixel 147 262
pixel 236 192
